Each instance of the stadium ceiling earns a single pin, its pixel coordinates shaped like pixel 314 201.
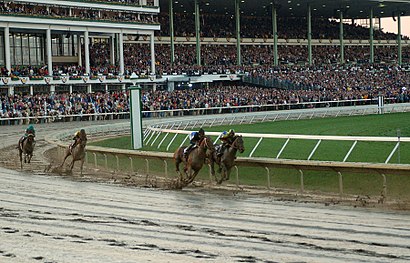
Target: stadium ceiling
pixel 296 8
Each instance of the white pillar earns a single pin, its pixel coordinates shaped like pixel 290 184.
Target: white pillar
pixel 11 90
pixel 112 48
pixel 89 88
pixel 123 88
pixel 136 120
pixel 87 52
pixel 31 90
pixel 143 2
pixel 156 2
pixel 52 89
pixel 106 88
pixel 121 52
pixel 49 55
pixel 71 89
pixel 171 86
pixel 7 48
pixel 152 53
pixel 80 59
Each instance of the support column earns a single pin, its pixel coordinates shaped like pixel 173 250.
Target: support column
pixel 171 31
pixel 87 52
pixel 121 52
pixel 70 89
pixel 31 90
pixel 112 49
pixel 275 35
pixel 309 34
pixel 106 88
pixel 152 46
pixel 80 52
pixel 399 39
pixel 7 48
pixel 171 86
pixel 371 36
pixel 52 89
pixel 342 47
pixel 198 32
pixel 89 88
pixel 49 54
pixel 238 32
pixel 11 90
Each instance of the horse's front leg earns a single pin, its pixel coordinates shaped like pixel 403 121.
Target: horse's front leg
pixel 81 166
pixel 65 158
pixel 72 165
pixel 29 158
pixel 21 159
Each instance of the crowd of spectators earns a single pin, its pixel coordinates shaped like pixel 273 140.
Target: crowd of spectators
pixel 63 12
pixel 388 83
pixel 223 26
pixel 41 105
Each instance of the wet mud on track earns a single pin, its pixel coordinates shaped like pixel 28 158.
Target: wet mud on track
pixel 49 218
pixel 52 219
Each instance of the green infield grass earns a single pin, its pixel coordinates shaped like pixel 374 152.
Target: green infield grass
pixel 369 125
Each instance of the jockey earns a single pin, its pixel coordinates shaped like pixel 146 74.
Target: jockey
pixel 194 139
pixel 227 138
pixel 30 130
pixel 79 135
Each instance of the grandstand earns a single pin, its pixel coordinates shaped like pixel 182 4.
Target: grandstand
pixel 75 48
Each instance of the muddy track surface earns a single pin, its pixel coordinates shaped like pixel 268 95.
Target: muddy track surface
pixel 52 219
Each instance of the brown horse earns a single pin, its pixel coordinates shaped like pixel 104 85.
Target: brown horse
pixel 227 160
pixel 26 147
pixel 196 159
pixel 77 153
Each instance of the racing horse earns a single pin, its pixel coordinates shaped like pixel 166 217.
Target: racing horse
pixel 227 160
pixel 26 147
pixel 77 153
pixel 194 161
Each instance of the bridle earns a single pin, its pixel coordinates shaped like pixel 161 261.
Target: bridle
pixel 236 145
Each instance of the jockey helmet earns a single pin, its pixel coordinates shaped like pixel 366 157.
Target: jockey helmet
pixel 30 128
pixel 231 132
pixel 201 132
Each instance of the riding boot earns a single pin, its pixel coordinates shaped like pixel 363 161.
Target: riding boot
pixel 186 152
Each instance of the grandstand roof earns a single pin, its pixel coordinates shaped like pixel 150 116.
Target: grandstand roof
pixel 296 8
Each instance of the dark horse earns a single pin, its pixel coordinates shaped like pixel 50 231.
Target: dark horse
pixel 227 160
pixel 196 159
pixel 77 153
pixel 26 147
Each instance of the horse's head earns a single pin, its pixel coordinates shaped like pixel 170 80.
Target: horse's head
pixel 207 143
pixel 30 137
pixel 238 144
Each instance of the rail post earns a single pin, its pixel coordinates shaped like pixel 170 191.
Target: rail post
pixel 166 168
pixel 147 170
pixel 237 176
pixel 302 186
pixel 118 162
pixel 95 160
pixel 131 164
pixel 105 161
pixel 268 177
pixel 340 183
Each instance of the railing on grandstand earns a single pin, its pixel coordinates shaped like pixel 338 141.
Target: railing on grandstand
pixel 190 112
